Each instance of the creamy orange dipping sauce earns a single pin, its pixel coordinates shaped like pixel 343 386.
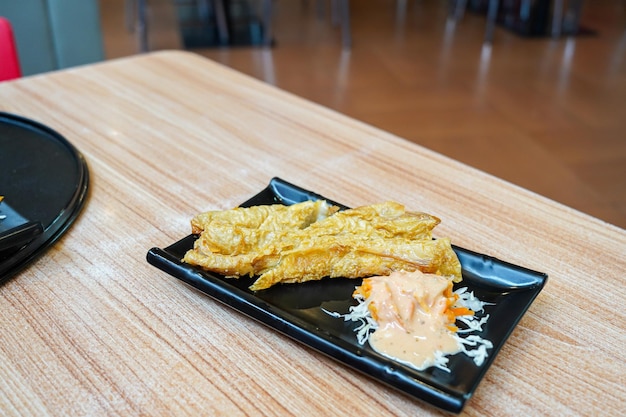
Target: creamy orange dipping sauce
pixel 410 311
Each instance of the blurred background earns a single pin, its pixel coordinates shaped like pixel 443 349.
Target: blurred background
pixel 539 101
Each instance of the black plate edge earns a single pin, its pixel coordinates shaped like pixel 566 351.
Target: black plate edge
pixel 20 235
pixel 30 252
pixel 297 330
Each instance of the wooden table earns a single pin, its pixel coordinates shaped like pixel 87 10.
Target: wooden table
pixel 92 329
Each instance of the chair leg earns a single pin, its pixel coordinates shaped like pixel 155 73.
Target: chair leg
pixel 267 22
pixel 492 14
pixel 401 6
pixel 142 25
pixel 557 18
pixel 320 9
pixel 222 23
pixel 458 11
pixel 129 14
pixel 335 19
pixel 524 10
pixel 571 22
pixel 346 32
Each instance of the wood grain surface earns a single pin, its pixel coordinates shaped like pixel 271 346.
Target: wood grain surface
pixel 544 113
pixel 91 328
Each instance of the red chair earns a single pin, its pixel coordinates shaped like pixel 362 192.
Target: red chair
pixel 9 63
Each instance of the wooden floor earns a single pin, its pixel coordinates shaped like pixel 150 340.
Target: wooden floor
pixel 548 115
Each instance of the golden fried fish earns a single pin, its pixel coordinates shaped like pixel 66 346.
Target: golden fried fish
pixel 310 241
pixel 354 257
pixel 230 240
pixel 242 230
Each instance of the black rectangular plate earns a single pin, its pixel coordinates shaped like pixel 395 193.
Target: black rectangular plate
pixel 297 310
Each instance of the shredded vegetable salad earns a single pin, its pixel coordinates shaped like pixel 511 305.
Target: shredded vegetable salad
pixel 462 317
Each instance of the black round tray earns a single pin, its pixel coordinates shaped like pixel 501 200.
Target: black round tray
pixel 44 180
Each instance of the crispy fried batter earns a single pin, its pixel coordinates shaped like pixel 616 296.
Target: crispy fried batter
pixel 350 256
pixel 307 242
pixel 243 230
